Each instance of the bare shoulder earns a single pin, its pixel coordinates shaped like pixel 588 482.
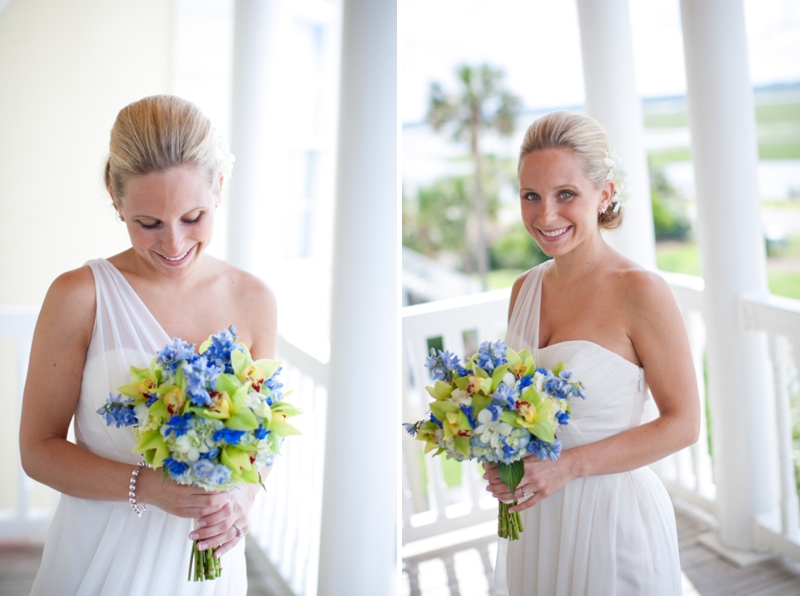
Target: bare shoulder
pixel 255 306
pixel 642 290
pixel 70 305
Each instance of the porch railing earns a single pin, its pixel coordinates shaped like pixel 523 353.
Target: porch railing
pixel 284 522
pixel 429 508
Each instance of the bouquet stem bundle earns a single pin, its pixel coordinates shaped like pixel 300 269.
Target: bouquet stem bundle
pixel 509 525
pixel 203 565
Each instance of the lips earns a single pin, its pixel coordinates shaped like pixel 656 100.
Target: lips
pixel 178 260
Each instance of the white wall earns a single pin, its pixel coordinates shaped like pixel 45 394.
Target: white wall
pixel 66 69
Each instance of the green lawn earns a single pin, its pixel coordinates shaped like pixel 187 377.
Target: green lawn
pixel 684 258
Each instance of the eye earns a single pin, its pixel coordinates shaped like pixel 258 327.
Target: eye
pixel 151 226
pixel 566 194
pixel 530 196
pixel 195 220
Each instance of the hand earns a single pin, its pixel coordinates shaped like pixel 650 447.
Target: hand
pixel 219 529
pixel 177 499
pixel 540 480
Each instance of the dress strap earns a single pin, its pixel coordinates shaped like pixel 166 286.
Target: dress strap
pixel 122 321
pixel 523 327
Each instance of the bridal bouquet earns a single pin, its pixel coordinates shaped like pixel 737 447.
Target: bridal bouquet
pixel 211 418
pixel 496 408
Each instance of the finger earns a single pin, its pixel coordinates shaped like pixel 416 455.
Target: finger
pixel 527 503
pixel 227 546
pixel 222 514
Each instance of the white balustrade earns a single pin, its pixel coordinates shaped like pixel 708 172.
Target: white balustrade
pixel 687 474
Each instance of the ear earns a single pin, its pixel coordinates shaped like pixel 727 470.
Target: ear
pixel 116 204
pixel 606 194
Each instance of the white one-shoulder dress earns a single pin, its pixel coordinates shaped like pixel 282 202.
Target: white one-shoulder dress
pixel 608 535
pixel 100 547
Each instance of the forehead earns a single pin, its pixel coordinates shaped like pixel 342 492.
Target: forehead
pixel 174 190
pixel 551 167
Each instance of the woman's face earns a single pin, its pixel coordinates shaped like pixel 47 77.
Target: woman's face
pixel 559 203
pixel 170 217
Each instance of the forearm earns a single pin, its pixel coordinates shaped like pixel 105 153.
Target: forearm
pixel 74 471
pixel 634 448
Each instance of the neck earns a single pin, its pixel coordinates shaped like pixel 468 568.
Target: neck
pixel 581 261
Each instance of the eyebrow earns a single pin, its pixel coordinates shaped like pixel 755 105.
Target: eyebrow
pixel 182 216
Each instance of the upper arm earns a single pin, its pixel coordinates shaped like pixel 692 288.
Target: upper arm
pixel 262 315
pixel 515 292
pixel 659 337
pixel 58 354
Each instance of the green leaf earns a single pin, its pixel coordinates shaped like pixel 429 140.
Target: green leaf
pixel 462 444
pixel 559 368
pixel 227 383
pixel 511 474
pixel 440 390
pixel 497 377
pixel 284 429
pixel 286 408
pixel 268 366
pixel 531 396
pixel 479 402
pixel 239 362
pixel 440 409
pixel 544 430
pixel 204 346
pixel 242 419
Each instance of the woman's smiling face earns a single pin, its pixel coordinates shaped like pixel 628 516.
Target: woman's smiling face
pixel 559 203
pixel 170 217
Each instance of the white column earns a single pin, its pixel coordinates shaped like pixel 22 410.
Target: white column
pixel 732 259
pixel 253 138
pixel 358 546
pixel 613 100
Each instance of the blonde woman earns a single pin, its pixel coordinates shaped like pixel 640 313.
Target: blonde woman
pixel 164 173
pixel 597 520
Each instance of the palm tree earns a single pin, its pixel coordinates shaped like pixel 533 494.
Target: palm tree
pixel 480 104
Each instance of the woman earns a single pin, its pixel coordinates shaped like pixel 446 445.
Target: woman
pixel 596 521
pixel 164 174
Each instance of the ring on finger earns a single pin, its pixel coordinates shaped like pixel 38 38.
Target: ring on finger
pixel 524 493
pixel 239 531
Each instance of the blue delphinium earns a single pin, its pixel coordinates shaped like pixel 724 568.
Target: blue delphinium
pixel 177 425
pixel 443 364
pixel 200 376
pixel 275 386
pixel 505 395
pixel 261 432
pixel 492 355
pixel 117 410
pixel 543 450
pixel 175 467
pixel 219 352
pixel 173 354
pixel 562 417
pixel 230 436
pixel 411 429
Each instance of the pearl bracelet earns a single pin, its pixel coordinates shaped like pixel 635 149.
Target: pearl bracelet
pixel 138 509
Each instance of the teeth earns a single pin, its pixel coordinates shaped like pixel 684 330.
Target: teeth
pixel 553 233
pixel 176 258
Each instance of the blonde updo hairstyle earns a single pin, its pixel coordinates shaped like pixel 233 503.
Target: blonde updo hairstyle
pixel 157 133
pixel 588 142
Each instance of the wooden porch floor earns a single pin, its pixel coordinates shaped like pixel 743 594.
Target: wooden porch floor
pixel 468 569
pixel 19 563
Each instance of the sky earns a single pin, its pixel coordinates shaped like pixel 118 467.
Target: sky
pixel 537 43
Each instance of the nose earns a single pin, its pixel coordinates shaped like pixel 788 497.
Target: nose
pixel 547 212
pixel 173 242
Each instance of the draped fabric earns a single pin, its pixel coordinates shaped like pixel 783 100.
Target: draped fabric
pixel 612 534
pixel 101 547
